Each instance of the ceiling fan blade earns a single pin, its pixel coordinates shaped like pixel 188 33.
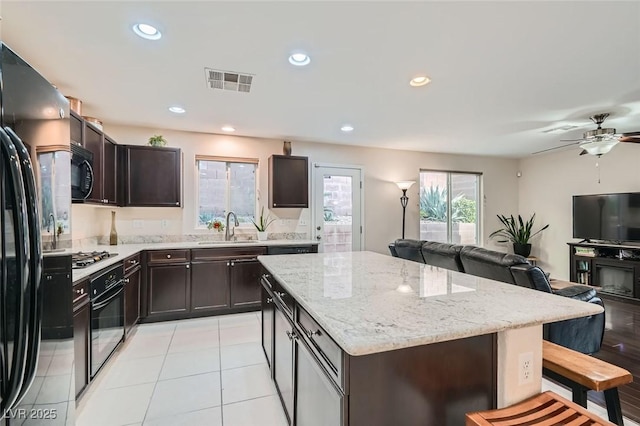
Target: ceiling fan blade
pixel 554 148
pixel 583 152
pixel 633 137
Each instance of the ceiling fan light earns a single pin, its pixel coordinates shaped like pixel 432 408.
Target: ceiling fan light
pixel 599 147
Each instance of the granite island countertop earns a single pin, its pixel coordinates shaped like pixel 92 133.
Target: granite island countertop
pixel 122 251
pixel 370 303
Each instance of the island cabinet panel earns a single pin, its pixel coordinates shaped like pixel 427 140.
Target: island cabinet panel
pixel 151 176
pixel 288 181
pixel 318 401
pixel 267 313
pixel 432 384
pixel 283 361
pixel 209 285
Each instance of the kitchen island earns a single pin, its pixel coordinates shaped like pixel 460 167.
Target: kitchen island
pixel 362 338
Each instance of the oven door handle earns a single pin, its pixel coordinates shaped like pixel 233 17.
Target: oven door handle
pixel 99 305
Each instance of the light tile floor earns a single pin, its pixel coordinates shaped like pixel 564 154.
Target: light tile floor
pixel 208 371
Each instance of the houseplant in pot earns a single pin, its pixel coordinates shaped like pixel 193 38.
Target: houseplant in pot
pixel 262 225
pixel 518 232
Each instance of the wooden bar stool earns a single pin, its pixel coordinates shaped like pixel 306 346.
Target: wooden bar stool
pixel 546 409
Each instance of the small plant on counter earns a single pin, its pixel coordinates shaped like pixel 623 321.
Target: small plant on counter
pixel 157 140
pixel 264 221
pixel 216 225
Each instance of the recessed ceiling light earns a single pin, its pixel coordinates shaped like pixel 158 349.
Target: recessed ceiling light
pixel 147 31
pixel 347 128
pixel 177 110
pixel 420 80
pixel 228 129
pixel 299 59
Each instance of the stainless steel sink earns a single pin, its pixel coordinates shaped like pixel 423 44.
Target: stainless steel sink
pixel 209 243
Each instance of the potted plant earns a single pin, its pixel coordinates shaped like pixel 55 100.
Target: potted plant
pixel 518 232
pixel 157 140
pixel 263 224
pixel 215 224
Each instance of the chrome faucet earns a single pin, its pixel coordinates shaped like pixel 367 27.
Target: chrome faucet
pixel 227 234
pixel 54 237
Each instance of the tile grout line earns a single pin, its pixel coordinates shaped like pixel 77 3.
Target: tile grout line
pixel 159 373
pixel 220 365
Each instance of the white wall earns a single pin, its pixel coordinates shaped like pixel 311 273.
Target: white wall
pixel 549 181
pixel 383 213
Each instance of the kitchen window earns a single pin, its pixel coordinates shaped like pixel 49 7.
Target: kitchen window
pixel 449 207
pixel 223 185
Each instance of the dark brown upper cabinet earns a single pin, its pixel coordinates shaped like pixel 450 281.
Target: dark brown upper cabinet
pixel 151 176
pixel 288 181
pixel 76 124
pixel 105 173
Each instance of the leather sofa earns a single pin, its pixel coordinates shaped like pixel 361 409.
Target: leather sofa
pixel 581 334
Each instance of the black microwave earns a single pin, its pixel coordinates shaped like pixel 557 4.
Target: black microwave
pixel 81 173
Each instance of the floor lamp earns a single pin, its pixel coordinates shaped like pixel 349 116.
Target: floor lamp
pixel 404 185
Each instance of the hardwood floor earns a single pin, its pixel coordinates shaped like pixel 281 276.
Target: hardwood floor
pixel 621 346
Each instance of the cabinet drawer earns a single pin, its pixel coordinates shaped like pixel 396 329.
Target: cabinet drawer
pixel 227 253
pixel 80 294
pixel 131 262
pixel 285 300
pixel 168 256
pixel 328 349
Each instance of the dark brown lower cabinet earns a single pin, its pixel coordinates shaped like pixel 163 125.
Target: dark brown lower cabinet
pixel 131 299
pixel 209 285
pixel 267 313
pixel 318 401
pixel 81 345
pixel 245 282
pixel 283 361
pixel 169 288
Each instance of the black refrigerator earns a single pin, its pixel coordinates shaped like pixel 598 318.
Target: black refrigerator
pixel 36 363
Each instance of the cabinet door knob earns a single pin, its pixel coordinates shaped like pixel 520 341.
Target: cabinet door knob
pixel 177 203
pixel 281 293
pixel 168 256
pixel 188 266
pixel 126 280
pixel 312 333
pixel 269 300
pixel 291 335
pixel 232 264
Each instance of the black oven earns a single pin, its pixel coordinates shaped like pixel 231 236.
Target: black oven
pixel 107 315
pixel 81 172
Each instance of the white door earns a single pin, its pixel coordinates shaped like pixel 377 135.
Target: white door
pixel 337 208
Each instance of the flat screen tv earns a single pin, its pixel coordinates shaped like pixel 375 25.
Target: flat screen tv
pixel 608 217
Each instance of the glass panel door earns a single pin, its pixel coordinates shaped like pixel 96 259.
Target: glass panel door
pixel 337 211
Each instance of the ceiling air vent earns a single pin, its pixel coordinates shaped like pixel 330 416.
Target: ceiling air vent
pixel 228 80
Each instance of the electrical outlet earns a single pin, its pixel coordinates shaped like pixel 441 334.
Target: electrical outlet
pixel 164 224
pixel 137 223
pixel 525 368
pixel 302 222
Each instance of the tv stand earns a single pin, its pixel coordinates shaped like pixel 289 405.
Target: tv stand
pixel 611 268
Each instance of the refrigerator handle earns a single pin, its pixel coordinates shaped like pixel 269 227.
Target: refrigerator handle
pixel 33 296
pixel 21 236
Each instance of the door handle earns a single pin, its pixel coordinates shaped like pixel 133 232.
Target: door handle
pixel 318 237
pixel 318 228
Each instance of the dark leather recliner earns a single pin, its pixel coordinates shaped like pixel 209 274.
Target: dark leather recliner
pixel 580 334
pixel 443 255
pixel 408 249
pixel 490 264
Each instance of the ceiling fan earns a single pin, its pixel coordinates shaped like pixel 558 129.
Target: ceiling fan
pixel 600 140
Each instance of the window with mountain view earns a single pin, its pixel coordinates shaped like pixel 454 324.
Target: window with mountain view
pixel 449 207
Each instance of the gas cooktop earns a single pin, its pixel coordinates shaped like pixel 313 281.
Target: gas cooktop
pixel 84 259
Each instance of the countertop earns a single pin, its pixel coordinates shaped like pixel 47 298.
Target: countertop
pixel 370 303
pixel 125 250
